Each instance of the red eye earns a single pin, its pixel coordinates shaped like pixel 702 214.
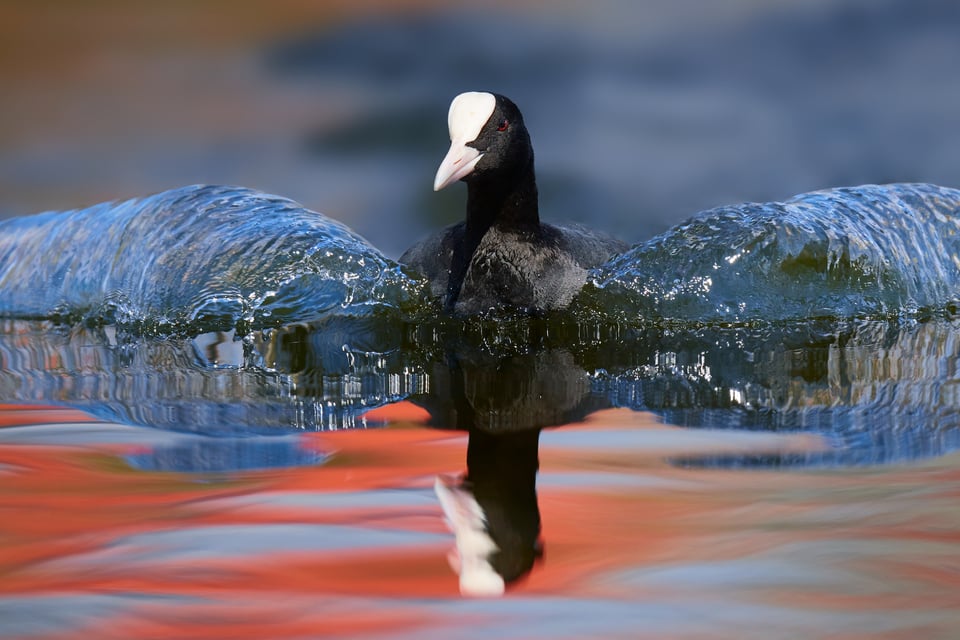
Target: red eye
pixel 503 125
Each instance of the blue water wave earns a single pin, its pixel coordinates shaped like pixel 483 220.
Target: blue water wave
pixel 218 258
pixel 873 250
pixel 197 257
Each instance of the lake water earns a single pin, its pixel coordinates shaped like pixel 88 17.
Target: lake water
pixel 234 417
pixel 226 416
pixel 116 531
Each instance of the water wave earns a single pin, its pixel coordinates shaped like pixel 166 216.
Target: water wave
pixel 218 258
pixel 200 257
pixel 873 250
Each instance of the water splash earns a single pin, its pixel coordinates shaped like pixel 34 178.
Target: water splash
pixel 208 258
pixel 840 253
pixel 200 257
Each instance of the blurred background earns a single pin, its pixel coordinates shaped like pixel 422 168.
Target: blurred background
pixel 642 113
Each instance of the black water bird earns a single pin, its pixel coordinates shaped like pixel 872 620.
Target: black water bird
pixel 501 256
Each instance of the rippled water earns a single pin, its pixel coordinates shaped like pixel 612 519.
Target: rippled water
pixel 759 417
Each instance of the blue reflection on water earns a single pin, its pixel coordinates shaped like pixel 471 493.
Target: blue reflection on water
pixel 217 455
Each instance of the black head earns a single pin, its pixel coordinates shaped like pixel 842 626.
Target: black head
pixel 488 140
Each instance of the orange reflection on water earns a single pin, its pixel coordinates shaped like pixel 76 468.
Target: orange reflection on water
pixel 357 545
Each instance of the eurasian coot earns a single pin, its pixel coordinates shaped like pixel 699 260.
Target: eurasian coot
pixel 501 256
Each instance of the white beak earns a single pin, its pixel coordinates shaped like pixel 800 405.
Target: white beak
pixel 458 163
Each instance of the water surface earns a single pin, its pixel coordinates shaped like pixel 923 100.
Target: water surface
pixel 236 429
pixel 234 416
pixel 96 544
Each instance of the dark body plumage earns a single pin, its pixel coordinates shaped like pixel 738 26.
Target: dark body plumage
pixel 502 255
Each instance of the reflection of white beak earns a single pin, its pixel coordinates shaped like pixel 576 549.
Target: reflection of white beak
pixel 474 545
pixel 458 163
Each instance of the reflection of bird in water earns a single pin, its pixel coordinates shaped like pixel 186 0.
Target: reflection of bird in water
pixel 502 403
pixel 493 511
pixel 501 255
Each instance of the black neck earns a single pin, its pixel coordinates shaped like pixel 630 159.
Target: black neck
pixel 490 202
